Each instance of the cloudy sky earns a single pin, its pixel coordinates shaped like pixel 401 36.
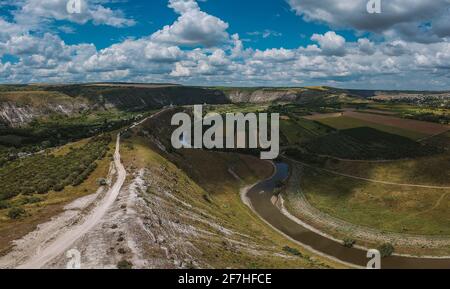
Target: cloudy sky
pixel 228 42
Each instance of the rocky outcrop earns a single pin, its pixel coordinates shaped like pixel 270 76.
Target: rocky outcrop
pixel 262 95
pixel 23 104
pixel 17 114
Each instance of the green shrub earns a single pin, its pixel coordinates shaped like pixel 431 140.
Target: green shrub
pixel 16 213
pixel 30 200
pixel 126 135
pixel 349 243
pixel 386 250
pixel 292 251
pixel 124 265
pixel 59 187
pixel 102 182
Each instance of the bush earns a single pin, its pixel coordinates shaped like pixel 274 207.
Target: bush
pixel 16 213
pixel 30 200
pixel 59 187
pixel 124 265
pixel 102 182
pixel 126 135
pixel 292 251
pixel 386 250
pixel 349 243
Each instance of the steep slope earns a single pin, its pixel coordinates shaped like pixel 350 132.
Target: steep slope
pixel 175 210
pixel 19 105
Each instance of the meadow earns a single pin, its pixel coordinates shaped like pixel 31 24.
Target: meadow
pixel 399 209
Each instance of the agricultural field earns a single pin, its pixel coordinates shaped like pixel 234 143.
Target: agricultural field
pixel 298 130
pixel 431 114
pixel 345 122
pixel 21 214
pixel 41 173
pixel 414 125
pixel 367 144
pixel 371 167
pixel 235 108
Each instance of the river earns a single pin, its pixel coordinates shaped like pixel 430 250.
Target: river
pixel 260 199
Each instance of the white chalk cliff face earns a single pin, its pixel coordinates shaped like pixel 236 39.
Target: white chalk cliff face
pixel 17 114
pixel 17 111
pixel 262 96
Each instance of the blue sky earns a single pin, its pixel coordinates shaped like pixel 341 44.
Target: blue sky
pixel 228 42
pixel 247 18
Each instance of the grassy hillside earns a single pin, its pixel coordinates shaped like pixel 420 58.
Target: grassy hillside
pixel 204 198
pixel 390 208
pixel 140 98
pixel 37 98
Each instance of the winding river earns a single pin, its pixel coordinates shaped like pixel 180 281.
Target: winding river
pixel 260 199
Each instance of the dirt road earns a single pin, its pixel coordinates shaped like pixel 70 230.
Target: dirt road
pixel 63 242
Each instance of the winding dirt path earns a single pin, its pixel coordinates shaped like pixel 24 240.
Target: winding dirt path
pixel 63 242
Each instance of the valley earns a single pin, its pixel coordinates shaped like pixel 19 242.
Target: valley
pixel 360 168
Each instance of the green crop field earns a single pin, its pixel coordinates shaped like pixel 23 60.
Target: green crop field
pixel 424 113
pixel 345 122
pixel 235 108
pixel 367 143
pixel 299 130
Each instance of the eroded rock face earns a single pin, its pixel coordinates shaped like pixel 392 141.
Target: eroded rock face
pixel 11 114
pixel 262 96
pixel 15 115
